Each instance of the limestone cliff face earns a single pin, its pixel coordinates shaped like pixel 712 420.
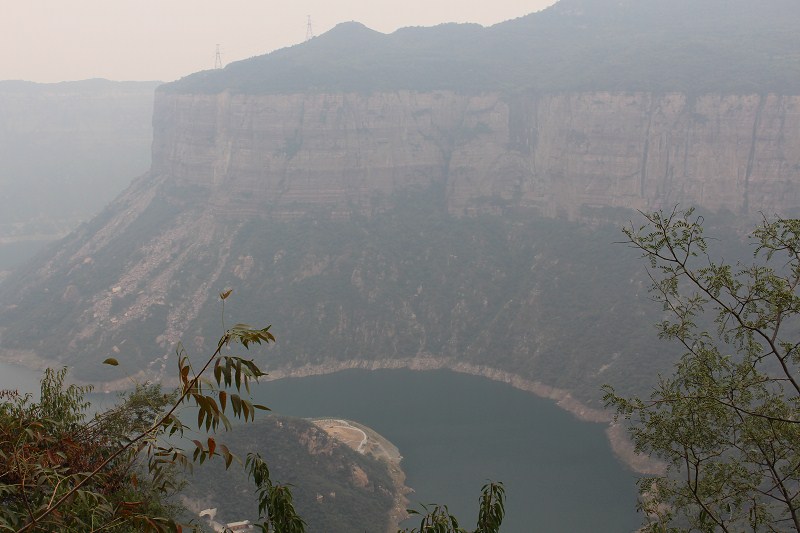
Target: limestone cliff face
pixel 509 291
pixel 558 154
pixel 287 152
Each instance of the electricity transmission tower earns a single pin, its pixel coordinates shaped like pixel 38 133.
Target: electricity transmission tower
pixel 218 59
pixel 309 30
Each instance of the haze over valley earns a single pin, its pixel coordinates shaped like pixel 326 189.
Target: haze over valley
pixel 434 198
pixel 67 150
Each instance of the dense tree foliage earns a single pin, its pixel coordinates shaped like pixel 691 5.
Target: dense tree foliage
pixel 58 471
pixel 727 421
pixel 49 448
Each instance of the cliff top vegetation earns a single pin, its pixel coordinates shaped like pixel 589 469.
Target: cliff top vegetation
pixel 733 46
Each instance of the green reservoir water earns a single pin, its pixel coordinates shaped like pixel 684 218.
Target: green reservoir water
pixel 457 431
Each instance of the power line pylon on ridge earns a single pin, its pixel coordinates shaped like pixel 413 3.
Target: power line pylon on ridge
pixel 218 59
pixel 309 30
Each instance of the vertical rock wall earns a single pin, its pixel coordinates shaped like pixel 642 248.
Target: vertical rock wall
pixel 558 154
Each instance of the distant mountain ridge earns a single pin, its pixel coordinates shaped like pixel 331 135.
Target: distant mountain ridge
pixel 66 149
pixel 93 84
pixel 730 46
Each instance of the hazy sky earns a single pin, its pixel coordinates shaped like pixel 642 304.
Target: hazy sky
pixel 58 40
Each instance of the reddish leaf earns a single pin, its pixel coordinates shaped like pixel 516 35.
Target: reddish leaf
pixel 223 399
pixel 212 445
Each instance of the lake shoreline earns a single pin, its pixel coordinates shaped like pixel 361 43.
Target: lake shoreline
pixel 548 454
pixel 616 433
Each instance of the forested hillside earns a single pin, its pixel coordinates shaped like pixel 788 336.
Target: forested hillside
pixel 731 46
pixel 334 487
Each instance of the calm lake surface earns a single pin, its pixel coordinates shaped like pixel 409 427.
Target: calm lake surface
pixel 457 431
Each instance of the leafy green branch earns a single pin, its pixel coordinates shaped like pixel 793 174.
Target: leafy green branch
pixel 437 518
pixel 56 487
pixel 727 421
